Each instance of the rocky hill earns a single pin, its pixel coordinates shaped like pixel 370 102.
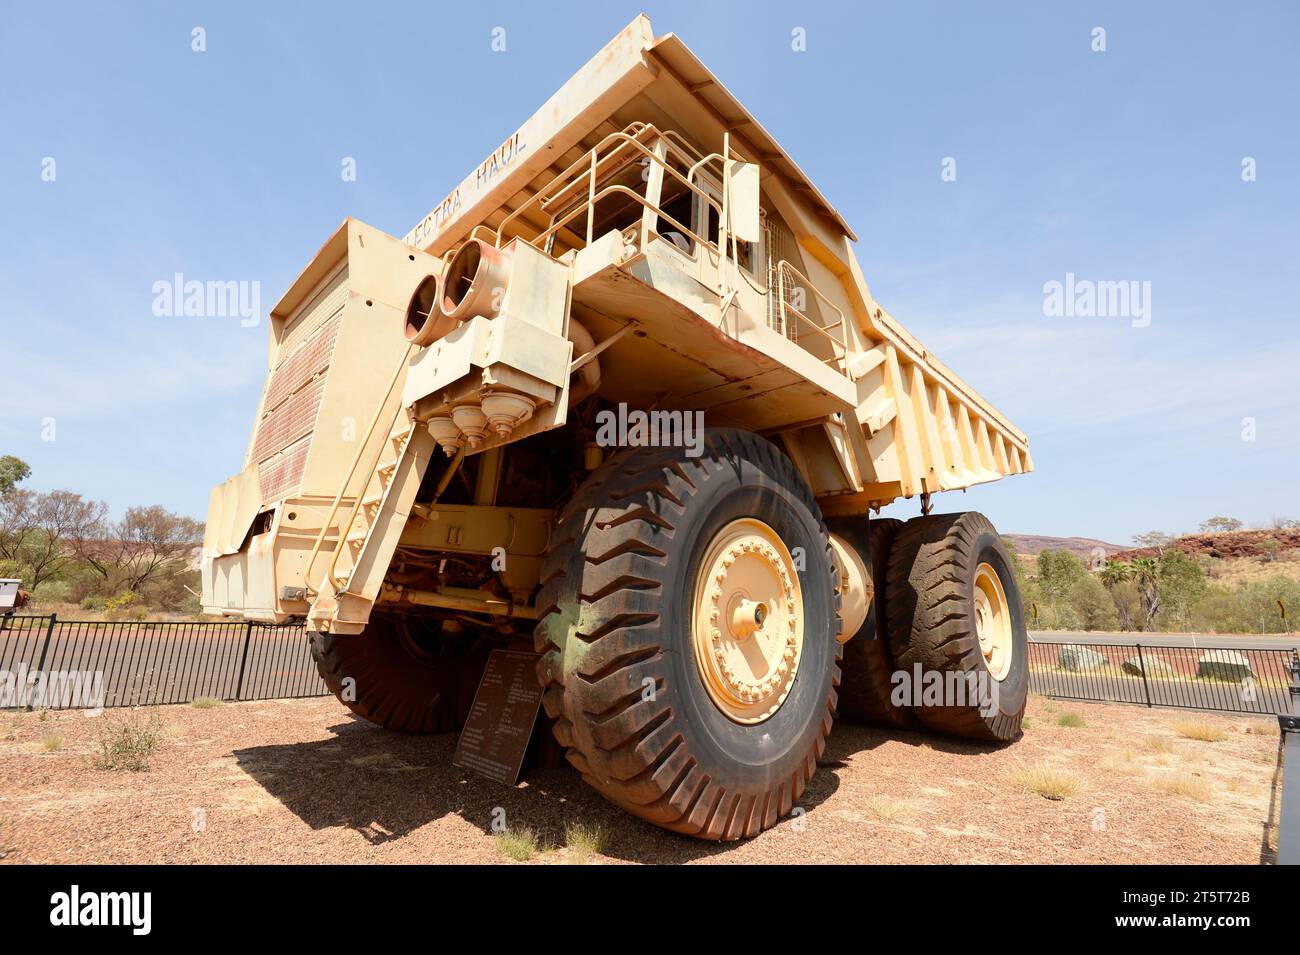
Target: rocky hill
pixel 1030 545
pixel 1225 545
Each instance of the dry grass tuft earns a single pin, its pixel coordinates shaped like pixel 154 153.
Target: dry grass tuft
pixel 1124 764
pixel 1071 720
pixel 586 839
pixel 1202 730
pixel 517 844
pixel 128 743
pixel 1047 781
pixel 1185 784
pixel 888 810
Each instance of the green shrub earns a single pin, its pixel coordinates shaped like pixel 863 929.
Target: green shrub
pixel 128 742
pixel 53 591
pixel 586 839
pixel 517 844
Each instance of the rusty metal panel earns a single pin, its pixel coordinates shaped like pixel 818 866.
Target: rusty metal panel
pixel 324 305
pixel 282 474
pixel 294 389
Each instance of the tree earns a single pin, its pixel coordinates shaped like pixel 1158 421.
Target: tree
pixel 12 471
pixel 1146 574
pixel 1155 540
pixel 1058 572
pixel 17 521
pixel 1115 572
pixel 1220 525
pixel 1181 581
pixel 1030 594
pixel 1128 603
pixel 38 530
pixel 1093 605
pixel 139 548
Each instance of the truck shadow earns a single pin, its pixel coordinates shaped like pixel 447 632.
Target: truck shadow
pixel 385 786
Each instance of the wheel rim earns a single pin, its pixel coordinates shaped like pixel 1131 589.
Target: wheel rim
pixel 993 621
pixel 747 622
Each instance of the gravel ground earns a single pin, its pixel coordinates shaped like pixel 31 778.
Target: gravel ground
pixel 303 781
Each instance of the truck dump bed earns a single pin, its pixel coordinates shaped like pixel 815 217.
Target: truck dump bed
pixel 922 428
pixel 656 249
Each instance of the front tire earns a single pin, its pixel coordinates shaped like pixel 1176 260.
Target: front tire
pixel 719 753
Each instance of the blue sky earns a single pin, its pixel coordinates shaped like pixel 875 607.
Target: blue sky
pixel 1123 165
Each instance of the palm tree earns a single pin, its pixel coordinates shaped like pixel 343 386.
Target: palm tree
pixel 1146 571
pixel 1115 572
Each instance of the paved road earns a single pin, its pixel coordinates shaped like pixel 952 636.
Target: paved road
pixel 1235 641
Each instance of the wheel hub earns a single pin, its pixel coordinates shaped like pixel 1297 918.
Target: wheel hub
pixel 747 624
pixel 993 621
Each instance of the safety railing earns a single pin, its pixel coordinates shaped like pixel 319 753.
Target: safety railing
pixel 785 307
pixel 563 189
pixel 577 191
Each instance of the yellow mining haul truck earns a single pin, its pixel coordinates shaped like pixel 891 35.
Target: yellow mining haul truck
pixel 625 397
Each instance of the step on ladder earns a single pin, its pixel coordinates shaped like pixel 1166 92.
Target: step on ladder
pixel 360 560
pixel 360 556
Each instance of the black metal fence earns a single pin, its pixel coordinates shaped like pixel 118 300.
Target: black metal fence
pixel 144 663
pixel 1202 678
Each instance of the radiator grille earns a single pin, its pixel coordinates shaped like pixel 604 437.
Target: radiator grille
pixel 294 389
pixel 281 475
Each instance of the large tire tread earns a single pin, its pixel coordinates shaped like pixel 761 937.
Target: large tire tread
pixel 635 751
pixel 868 663
pixel 929 615
pixel 391 688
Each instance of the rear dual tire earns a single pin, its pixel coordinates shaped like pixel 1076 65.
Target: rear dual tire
pixel 868 664
pixel 953 610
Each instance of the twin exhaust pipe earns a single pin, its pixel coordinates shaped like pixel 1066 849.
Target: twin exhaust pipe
pixel 473 285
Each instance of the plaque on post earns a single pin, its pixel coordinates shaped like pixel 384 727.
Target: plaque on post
pixel 501 720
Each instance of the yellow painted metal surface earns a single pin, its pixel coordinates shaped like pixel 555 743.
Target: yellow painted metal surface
pixel 641 237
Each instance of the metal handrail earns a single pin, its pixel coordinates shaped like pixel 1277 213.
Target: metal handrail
pixel 617 188
pixel 592 161
pixel 825 330
pixel 540 197
pixel 588 167
pixel 338 498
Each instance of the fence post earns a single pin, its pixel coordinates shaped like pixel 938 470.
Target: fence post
pixel 45 648
pixel 248 636
pixel 1142 665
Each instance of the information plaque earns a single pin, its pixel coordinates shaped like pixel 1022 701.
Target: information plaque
pixel 501 720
